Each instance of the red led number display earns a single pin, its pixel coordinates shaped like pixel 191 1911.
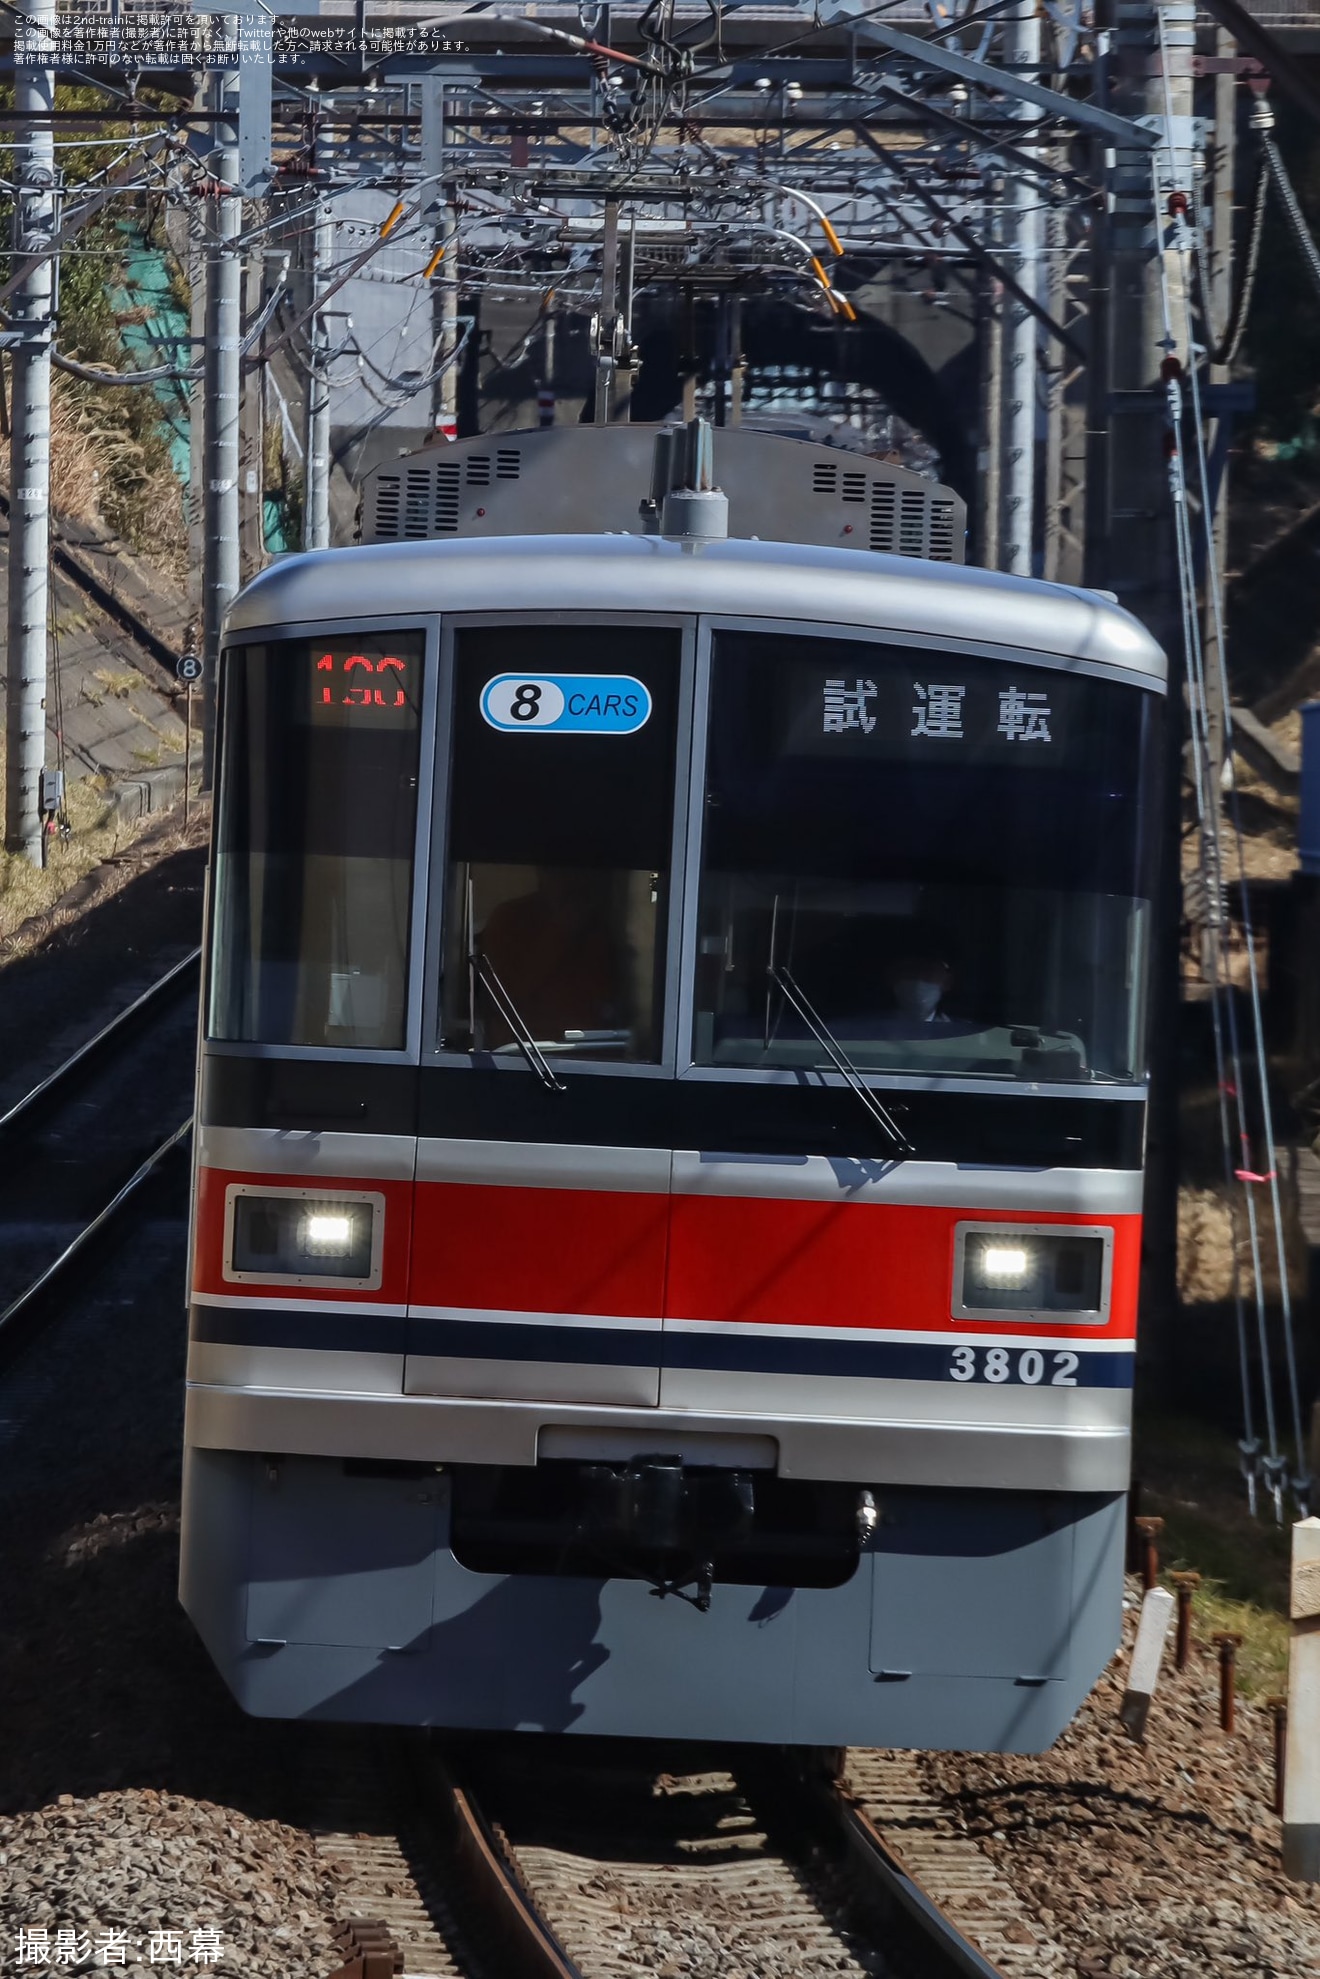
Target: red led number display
pixel 355 681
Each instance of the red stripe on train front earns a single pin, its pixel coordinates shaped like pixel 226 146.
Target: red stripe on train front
pixel 540 1250
pixel 776 1262
pixel 630 1254
pixel 730 1258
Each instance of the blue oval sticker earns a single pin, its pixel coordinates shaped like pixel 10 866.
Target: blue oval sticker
pixel 566 703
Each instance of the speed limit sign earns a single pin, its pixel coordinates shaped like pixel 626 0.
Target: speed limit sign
pixel 188 666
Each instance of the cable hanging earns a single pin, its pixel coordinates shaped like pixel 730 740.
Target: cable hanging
pixel 1262 122
pixel 1229 1074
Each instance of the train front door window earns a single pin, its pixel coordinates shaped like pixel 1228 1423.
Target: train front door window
pixel 937 863
pixel 314 840
pixel 561 821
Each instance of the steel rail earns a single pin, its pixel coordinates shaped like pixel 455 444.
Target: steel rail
pixel 815 1809
pixel 503 1911
pixel 25 1300
pixel 80 1060
pixel 880 1864
pixel 812 1808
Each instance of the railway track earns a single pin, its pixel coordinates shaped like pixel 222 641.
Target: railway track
pixel 518 1859
pixel 83 1143
pixel 522 1859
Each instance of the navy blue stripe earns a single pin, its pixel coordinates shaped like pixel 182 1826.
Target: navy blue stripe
pixel 872 1355
pixel 481 1340
pixel 869 1356
pixel 328 1331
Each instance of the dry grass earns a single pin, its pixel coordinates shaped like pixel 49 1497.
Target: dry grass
pixel 79 457
pixel 1262 1660
pixel 1190 1478
pixel 1206 1239
pixel 1205 1248
pixel 29 893
pixel 89 458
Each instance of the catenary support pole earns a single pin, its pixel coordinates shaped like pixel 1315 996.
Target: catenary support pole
pixel 1022 232
pixel 1221 164
pixel 545 396
pixel 29 481
pixel 252 430
pixel 440 207
pixel 194 505
pixel 1153 51
pixel 607 321
pixel 446 318
pixel 990 451
pixel 220 561
pixel 316 427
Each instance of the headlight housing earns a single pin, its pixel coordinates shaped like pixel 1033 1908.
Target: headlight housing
pixel 1044 1271
pixel 303 1236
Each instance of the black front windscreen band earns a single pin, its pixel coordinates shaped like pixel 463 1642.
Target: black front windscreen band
pixel 951 857
pixel 317 821
pixel 557 920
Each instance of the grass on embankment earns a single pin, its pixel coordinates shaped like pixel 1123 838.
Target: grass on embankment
pixel 28 891
pixel 1190 1478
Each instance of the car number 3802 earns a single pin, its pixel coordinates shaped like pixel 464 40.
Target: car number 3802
pixel 1031 1366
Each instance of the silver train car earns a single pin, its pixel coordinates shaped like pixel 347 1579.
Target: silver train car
pixel 670 1131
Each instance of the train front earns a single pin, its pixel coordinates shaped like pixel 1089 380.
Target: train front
pixel 670 1155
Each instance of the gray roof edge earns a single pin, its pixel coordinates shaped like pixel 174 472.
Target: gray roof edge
pixel 734 577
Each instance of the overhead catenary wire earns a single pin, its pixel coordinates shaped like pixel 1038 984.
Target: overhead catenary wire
pixel 1226 1023
pixel 1262 119
pixel 1175 202
pixel 1226 343
pixel 1300 1482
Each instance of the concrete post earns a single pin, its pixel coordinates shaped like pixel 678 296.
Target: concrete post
pixel 220 548
pixel 1022 234
pixel 991 449
pixel 1301 1780
pixel 1152 78
pixel 440 207
pixel 194 507
pixel 316 428
pixel 252 462
pixel 1142 561
pixel 1222 164
pixel 446 312
pixel 29 457
pixel 608 319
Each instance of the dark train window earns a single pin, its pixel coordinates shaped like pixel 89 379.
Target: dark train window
pixel 314 840
pixel 941 864
pixel 560 830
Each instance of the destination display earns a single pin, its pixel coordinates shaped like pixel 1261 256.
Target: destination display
pixel 917 706
pixel 364 681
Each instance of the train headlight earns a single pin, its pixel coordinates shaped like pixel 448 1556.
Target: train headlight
pixel 325 1235
pixel 1004 1264
pixel 303 1237
pixel 1047 1271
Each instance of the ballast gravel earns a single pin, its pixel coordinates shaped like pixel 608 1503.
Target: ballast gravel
pixel 136 1800
pixel 1160 1862
pixel 161 1882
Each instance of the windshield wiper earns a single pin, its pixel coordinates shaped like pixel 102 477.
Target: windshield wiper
pixel 485 974
pixel 843 1065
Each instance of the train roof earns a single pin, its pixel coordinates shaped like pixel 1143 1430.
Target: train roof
pixel 731 577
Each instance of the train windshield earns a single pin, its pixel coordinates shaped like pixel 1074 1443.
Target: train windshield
pixel 938 864
pixel 559 851
pixel 314 840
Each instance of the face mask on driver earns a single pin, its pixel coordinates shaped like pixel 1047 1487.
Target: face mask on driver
pixel 918 998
